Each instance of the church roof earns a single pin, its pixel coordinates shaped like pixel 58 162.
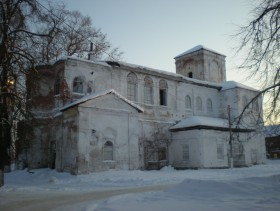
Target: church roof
pixel 196 48
pixel 99 94
pixel 203 122
pixel 233 84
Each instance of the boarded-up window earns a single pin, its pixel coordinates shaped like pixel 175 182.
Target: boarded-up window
pixel 163 92
pixel 186 152
pixel 132 87
pixel 188 102
pixel 198 104
pixel 220 152
pixel 148 90
pixel 108 151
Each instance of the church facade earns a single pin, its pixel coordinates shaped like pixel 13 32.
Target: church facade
pixel 94 116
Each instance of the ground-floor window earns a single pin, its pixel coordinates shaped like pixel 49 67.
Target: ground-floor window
pixel 220 152
pixel 108 151
pixel 186 152
pixel 162 154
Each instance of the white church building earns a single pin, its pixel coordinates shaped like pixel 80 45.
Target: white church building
pixel 93 116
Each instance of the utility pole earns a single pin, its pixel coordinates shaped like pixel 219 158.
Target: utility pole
pixel 230 139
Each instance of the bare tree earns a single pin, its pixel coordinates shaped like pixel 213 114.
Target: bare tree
pixel 16 60
pixel 72 36
pixel 260 42
pixel 30 33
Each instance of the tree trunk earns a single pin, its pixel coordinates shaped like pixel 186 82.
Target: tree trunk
pixel 1 177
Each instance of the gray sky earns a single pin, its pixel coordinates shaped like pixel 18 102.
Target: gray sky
pixel 152 32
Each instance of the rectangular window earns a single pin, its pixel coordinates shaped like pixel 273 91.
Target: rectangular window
pixel 220 152
pixel 186 153
pixel 162 97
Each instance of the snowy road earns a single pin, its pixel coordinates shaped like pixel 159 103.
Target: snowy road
pixel 51 201
pixel 256 188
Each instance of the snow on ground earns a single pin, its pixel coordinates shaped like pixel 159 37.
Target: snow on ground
pixel 253 188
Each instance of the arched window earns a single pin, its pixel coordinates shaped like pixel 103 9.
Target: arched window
pixel 148 90
pixel 57 86
pixel 163 92
pixel 108 151
pixel 209 105
pixel 132 86
pixel 78 85
pixel 198 104
pixel 188 102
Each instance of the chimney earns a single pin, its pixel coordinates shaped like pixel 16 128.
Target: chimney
pixel 90 50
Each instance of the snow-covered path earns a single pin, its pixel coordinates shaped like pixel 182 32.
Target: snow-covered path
pixel 253 188
pixel 50 201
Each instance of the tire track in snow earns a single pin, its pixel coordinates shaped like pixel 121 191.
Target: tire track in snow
pixel 45 202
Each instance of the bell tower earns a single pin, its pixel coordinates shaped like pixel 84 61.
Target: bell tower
pixel 203 64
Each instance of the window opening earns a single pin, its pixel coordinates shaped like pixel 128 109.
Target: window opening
pixel 162 154
pixel 190 74
pixel 163 93
pixel 188 102
pixel 132 87
pixel 108 151
pixel 148 90
pixel 186 152
pixel 220 152
pixel 78 85
pixel 209 105
pixel 57 87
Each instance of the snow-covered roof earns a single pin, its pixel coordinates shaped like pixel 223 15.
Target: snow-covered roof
pixel 202 122
pixel 233 84
pixel 170 74
pixel 99 94
pixel 197 48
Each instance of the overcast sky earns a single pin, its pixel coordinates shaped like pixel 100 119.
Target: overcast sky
pixel 152 32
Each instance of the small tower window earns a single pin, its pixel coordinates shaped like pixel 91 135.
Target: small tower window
pixel 190 74
pixel 57 87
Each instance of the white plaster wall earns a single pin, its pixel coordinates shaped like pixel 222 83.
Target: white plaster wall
pixel 202 149
pixel 211 139
pixel 67 156
pixel 193 139
pixel 98 74
pixel 110 124
pixel 233 97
